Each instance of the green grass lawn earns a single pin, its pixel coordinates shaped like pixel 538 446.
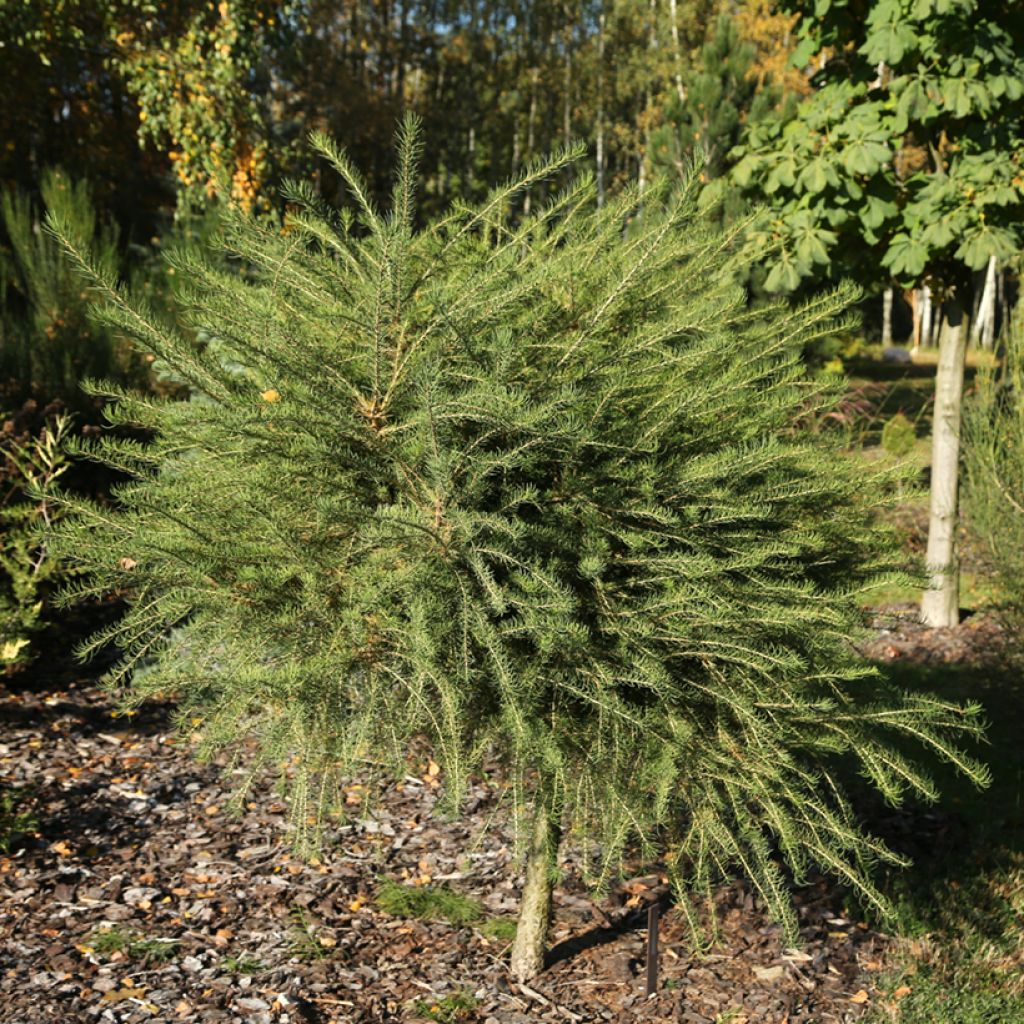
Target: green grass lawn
pixel 959 956
pixel 961 906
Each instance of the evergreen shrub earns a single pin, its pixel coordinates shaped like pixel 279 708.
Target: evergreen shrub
pixel 898 436
pixel 521 484
pixel 48 342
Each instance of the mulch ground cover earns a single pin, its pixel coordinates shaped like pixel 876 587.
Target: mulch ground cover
pixel 136 896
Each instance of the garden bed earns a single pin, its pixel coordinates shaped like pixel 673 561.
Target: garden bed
pixel 137 896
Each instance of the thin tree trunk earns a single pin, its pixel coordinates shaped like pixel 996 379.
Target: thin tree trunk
pixel 915 315
pixel 887 316
pixel 567 83
pixel 677 51
pixel 926 315
pixel 940 605
pixel 1003 307
pixel 986 307
pixel 652 45
pixel 535 905
pixel 599 156
pixel 531 119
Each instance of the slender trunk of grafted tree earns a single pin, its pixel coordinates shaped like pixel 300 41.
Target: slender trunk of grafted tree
pixel 535 905
pixel 887 316
pixel 940 605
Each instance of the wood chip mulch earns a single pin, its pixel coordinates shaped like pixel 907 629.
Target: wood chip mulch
pixel 218 922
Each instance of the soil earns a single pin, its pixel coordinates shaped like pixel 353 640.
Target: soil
pixel 133 843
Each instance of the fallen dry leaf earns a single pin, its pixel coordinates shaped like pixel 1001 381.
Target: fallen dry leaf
pixel 859 997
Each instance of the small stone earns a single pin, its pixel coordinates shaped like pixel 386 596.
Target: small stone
pixel 251 1004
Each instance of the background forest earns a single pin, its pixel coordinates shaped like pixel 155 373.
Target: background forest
pixel 872 143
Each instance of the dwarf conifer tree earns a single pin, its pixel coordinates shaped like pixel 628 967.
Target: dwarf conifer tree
pixel 525 484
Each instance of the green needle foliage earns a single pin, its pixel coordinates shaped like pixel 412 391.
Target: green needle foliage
pixel 530 484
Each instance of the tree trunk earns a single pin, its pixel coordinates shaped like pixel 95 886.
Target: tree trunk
pixel 677 51
pixel 915 314
pixel 535 905
pixel 599 157
pixel 887 316
pixel 1003 307
pixel 531 118
pixel 940 605
pixel 926 316
pixel 986 307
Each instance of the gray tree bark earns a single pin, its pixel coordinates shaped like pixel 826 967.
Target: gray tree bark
pixel 887 316
pixel 940 605
pixel 535 905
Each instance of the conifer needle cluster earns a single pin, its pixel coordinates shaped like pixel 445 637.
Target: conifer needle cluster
pixel 525 484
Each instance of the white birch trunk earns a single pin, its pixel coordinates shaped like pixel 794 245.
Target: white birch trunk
pixel 599 156
pixel 940 605
pixel 531 119
pixel 887 316
pixel 677 51
pixel 986 308
pixel 926 315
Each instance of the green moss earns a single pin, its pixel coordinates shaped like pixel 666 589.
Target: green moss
pixel 107 941
pixel 16 819
pixel 449 1010
pixel 428 903
pixel 501 929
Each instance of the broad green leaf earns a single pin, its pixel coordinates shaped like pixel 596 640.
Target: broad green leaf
pixel 783 277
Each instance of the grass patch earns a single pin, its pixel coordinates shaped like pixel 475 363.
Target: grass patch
pixel 16 818
pixel 924 998
pixel 302 938
pixel 107 941
pixel 243 965
pixel 428 903
pixel 961 906
pixel 442 903
pixel 500 929
pixel 450 1010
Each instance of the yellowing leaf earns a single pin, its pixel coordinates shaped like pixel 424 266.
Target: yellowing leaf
pixel 12 649
pixel 271 395
pixel 859 997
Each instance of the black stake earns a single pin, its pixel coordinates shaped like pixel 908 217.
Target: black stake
pixel 653 914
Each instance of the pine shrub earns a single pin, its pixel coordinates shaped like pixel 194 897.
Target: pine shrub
pixel 48 343
pixel 522 484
